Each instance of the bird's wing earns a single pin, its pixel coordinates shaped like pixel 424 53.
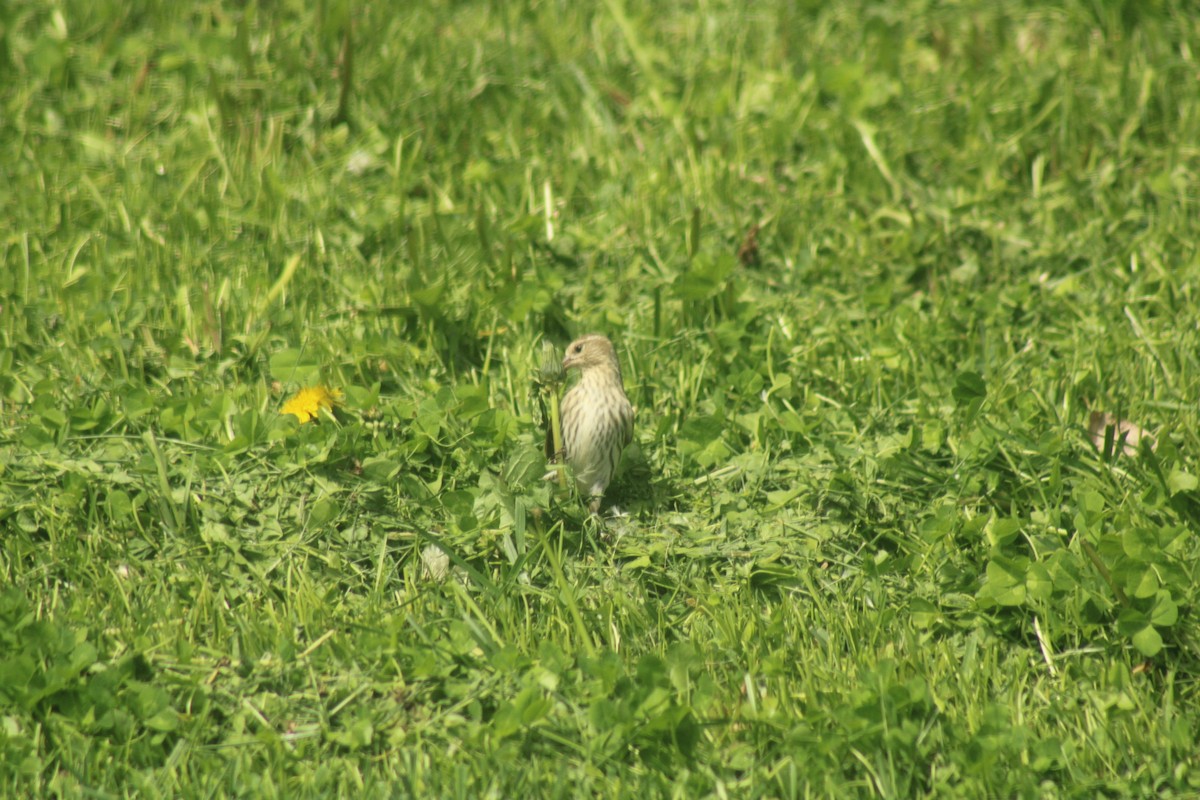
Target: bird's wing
pixel 627 426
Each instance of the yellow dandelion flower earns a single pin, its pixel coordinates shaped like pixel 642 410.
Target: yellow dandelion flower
pixel 306 404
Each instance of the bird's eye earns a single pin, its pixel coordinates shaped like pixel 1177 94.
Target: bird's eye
pixel 577 348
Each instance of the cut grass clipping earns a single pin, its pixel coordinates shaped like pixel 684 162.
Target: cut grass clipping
pixel 905 298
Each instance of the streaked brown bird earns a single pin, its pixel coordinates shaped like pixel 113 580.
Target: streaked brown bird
pixel 597 419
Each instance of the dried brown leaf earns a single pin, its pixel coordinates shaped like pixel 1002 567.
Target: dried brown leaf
pixel 748 253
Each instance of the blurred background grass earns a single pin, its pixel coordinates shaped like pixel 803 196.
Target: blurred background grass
pixel 871 266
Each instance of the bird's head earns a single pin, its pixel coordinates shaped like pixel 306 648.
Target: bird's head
pixel 591 351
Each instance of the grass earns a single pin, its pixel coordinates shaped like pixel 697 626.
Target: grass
pixel 871 268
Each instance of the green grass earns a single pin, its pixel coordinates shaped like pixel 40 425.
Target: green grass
pixel 870 550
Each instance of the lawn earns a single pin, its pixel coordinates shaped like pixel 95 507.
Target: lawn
pixel 907 299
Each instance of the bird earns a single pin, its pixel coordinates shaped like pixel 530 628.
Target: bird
pixel 597 418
